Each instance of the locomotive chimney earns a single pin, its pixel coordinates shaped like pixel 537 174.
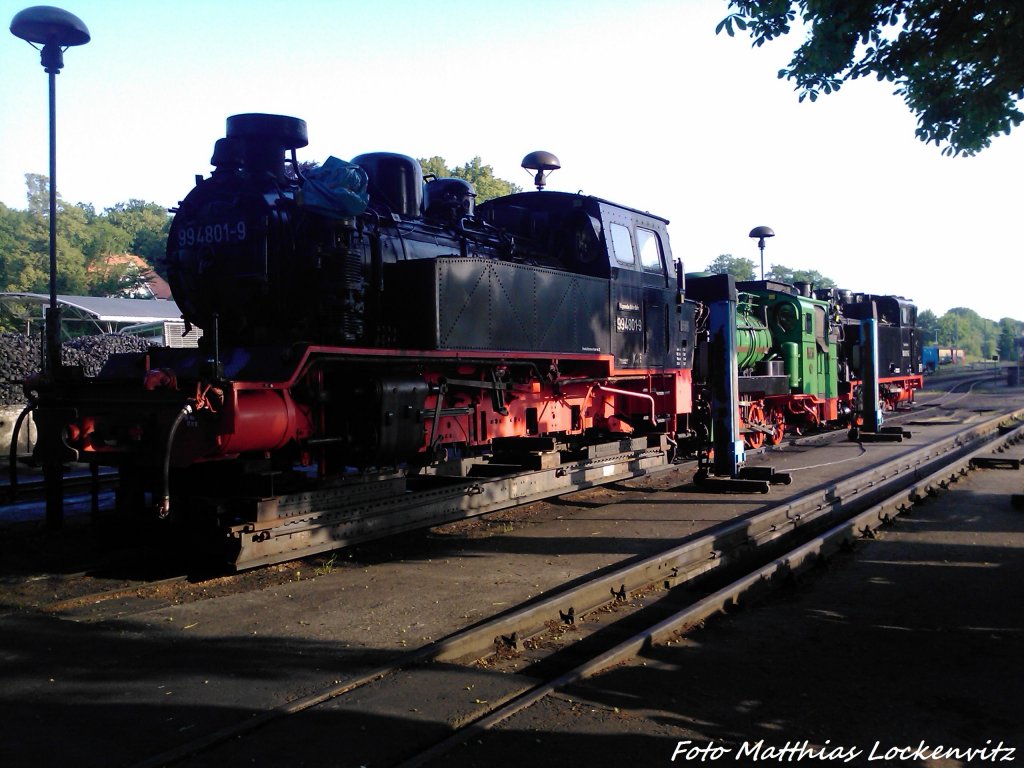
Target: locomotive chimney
pixel 264 139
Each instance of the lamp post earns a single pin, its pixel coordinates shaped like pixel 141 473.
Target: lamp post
pixel 761 233
pixel 56 30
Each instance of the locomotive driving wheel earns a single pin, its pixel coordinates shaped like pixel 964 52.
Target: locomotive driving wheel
pixel 755 418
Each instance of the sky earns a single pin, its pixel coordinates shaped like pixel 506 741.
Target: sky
pixel 642 103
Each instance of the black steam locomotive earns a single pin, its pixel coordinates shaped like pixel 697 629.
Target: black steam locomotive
pixel 358 320
pixel 355 318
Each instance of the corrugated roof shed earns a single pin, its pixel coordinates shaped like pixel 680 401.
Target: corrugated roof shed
pixel 107 310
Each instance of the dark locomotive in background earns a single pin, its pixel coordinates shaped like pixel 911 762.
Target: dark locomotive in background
pixel 358 319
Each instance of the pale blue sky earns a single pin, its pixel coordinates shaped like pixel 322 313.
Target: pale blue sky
pixel 642 103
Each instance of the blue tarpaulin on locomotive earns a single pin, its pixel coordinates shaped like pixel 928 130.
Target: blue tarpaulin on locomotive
pixel 336 189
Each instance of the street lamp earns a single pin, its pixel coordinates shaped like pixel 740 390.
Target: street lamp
pixel 56 30
pixel 761 233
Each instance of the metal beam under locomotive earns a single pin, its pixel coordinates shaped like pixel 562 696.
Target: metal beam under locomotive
pixel 358 320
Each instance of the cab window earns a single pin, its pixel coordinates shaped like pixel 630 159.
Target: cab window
pixel 622 244
pixel 650 249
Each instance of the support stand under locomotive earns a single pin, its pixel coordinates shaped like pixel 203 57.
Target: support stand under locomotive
pixel 724 470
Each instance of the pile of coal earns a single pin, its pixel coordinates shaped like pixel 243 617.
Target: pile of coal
pixel 91 352
pixel 21 357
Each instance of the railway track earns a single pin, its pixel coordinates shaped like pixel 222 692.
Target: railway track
pixel 75 484
pixel 374 516
pixel 666 594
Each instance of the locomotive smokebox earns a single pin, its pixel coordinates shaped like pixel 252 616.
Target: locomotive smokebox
pixel 262 140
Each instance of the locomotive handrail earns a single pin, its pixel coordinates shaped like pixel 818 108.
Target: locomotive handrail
pixel 628 393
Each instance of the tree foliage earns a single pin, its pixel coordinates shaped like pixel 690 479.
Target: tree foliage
pixel 927 326
pixel 486 184
pixel 745 269
pixel 85 242
pixel 786 275
pixel 738 267
pixel 956 63
pixel 978 337
pixel 1010 334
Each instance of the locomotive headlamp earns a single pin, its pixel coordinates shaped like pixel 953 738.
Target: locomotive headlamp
pixel 56 30
pixel 542 164
pixel 761 233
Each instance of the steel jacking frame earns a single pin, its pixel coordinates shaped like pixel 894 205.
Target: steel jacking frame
pixel 727 472
pixel 871 399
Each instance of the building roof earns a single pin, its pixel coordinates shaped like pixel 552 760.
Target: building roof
pixel 155 285
pixel 105 310
pixel 109 315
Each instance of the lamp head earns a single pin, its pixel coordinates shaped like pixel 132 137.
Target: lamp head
pixel 53 28
pixel 542 163
pixel 761 233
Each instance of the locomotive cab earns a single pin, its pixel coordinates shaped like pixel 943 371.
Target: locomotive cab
pixel 647 323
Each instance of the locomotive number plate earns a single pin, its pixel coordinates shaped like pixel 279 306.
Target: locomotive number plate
pixel 219 232
pixel 628 324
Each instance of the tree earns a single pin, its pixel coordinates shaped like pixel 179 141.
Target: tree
pixel 812 276
pixel 927 326
pixel 486 184
pixel 738 267
pixel 85 241
pixel 961 328
pixel 956 63
pixel 435 166
pixel 37 192
pixel 1009 333
pixel 23 266
pixel 147 225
